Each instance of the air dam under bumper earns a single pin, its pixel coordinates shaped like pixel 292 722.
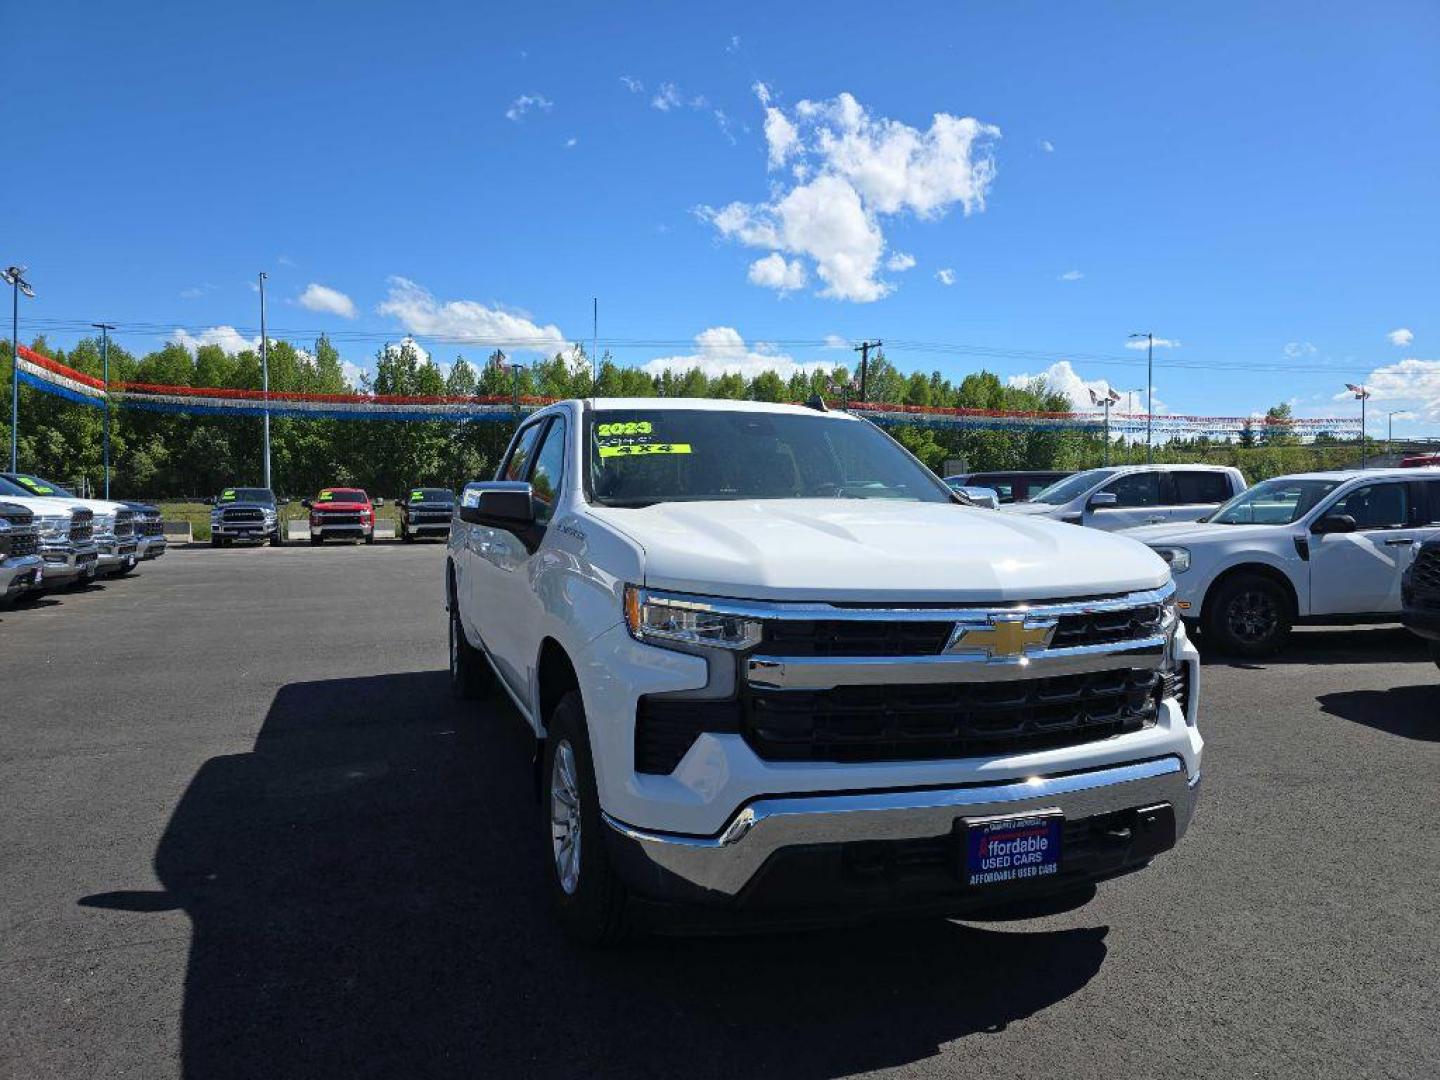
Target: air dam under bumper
pixel 901 849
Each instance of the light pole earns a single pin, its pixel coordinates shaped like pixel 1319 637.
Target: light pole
pixel 1109 398
pixel 515 370
pixel 105 329
pixel 14 276
pixel 265 378
pixel 1361 395
pixel 1149 393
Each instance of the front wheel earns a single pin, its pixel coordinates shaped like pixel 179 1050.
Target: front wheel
pixel 1435 652
pixel 589 897
pixel 277 539
pixel 370 537
pixel 470 675
pixel 316 541
pixel 1249 615
pixel 214 541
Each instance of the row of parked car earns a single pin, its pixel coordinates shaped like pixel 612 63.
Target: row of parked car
pixel 51 538
pixel 337 513
pixel 1250 563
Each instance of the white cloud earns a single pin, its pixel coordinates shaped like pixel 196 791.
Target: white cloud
pixel 227 337
pixel 395 348
pixel 635 86
pixel 1413 384
pixel 352 372
pixel 284 260
pixel 900 261
pixel 851 170
pixel 775 272
pixel 524 103
pixel 1063 377
pixel 570 142
pixel 835 341
pixel 419 312
pixel 667 97
pixel 1298 350
pixel 1401 337
pixel 945 276
pixel 317 297
pixel 734 45
pixel 721 350
pixel 194 292
pixel 1160 343
pixel 1047 146
pixel 1071 275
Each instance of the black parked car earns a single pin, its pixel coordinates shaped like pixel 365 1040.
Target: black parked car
pixel 1420 596
pixel 1012 487
pixel 426 511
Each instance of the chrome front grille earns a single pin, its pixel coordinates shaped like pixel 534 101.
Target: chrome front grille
pixel 339 518
pixel 24 540
pixel 125 525
pixel 243 515
pixel 82 526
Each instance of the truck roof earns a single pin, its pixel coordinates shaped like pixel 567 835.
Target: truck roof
pixel 657 404
pixel 1374 474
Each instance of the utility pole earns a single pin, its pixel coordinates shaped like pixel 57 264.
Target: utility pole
pixel 14 276
pixel 594 341
pixel 864 350
pixel 515 370
pixel 1109 399
pixel 1361 395
pixel 105 329
pixel 1149 394
pixel 265 378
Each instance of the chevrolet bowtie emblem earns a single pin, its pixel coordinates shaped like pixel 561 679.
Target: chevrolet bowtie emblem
pixel 1001 638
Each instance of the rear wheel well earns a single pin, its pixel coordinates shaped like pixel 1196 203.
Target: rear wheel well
pixel 1258 570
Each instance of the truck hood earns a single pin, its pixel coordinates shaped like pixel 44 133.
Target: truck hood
pixel 1181 533
pixel 1031 509
pixel 872 549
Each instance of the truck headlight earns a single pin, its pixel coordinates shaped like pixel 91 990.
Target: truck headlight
pixel 658 618
pixel 1177 557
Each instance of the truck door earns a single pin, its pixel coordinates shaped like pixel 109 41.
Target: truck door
pixel 511 566
pixel 1137 502
pixel 1196 493
pixel 1358 573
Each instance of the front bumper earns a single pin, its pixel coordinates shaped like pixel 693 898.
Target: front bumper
pixel 340 530
pixel 899 848
pixel 421 528
pixel 249 530
pixel 116 555
pixel 21 573
pixel 151 547
pixel 65 562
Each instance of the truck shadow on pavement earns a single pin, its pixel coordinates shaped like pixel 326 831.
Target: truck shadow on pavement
pixel 1334 645
pixel 368 900
pixel 1412 712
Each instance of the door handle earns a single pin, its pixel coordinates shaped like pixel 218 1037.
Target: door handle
pixel 1400 541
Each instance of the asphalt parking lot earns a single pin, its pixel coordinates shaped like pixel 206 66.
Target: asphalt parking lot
pixel 248 834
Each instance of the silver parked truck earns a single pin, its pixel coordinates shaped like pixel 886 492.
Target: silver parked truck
pixel 246 513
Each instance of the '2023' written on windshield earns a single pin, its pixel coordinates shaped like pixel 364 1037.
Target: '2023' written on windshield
pixel 633 438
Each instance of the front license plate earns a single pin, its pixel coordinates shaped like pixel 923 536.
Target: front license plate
pixel 1000 850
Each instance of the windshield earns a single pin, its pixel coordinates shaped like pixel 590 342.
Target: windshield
pixel 1274 502
pixel 444 495
pixel 25 484
pixel 637 457
pixel 342 495
pixel 246 495
pixel 1062 491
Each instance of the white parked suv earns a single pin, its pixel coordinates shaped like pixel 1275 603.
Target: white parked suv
pixel 774 667
pixel 1324 547
pixel 1128 495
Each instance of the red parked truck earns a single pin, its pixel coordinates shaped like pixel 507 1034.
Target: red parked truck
pixel 341 512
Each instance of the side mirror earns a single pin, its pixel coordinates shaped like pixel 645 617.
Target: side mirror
pixel 989 498
pixel 307 504
pixel 1334 523
pixel 502 504
pixel 379 502
pixel 1102 499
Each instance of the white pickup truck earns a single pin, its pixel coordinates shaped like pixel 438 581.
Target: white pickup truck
pixel 774 668
pixel 1124 496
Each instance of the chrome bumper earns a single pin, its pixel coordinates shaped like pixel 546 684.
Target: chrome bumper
pixel 64 560
pixel 151 547
pixel 349 530
pixel 257 530
pixel 20 573
pixel 721 866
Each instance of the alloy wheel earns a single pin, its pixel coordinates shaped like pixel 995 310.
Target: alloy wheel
pixel 565 817
pixel 1253 616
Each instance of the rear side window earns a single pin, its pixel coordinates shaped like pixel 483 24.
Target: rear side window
pixel 1136 489
pixel 1200 487
pixel 518 464
pixel 1376 506
pixel 1428 511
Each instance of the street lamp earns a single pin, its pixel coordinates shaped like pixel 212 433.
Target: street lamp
pixel 265 378
pixel 1149 393
pixel 1361 395
pixel 14 276
pixel 105 329
pixel 1110 397
pixel 515 370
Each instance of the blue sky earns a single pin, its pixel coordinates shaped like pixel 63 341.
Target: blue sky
pixel 1257 183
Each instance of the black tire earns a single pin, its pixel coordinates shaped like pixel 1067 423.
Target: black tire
pixel 316 541
pixel 1435 652
pixel 1248 615
pixel 370 537
pixel 214 541
pixel 470 674
pixel 406 537
pixel 278 540
pixel 590 899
